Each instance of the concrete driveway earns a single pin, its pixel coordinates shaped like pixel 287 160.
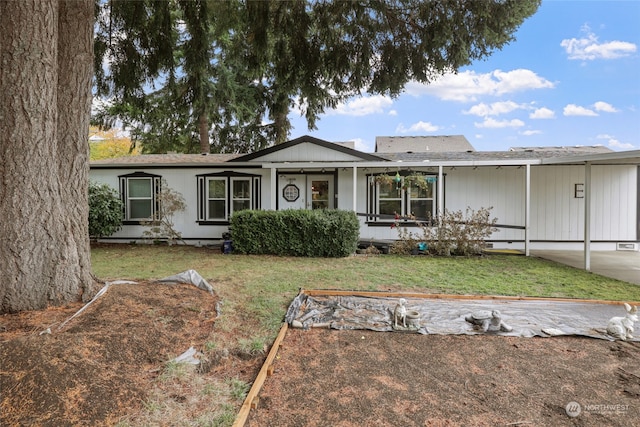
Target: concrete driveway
pixel 621 265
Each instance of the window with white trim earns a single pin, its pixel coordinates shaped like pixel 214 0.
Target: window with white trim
pixel 222 194
pixel 139 192
pixel 403 197
pixel 216 199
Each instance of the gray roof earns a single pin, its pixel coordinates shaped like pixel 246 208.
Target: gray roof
pixel 479 155
pixel 166 159
pixel 577 149
pixel 422 144
pixel 549 155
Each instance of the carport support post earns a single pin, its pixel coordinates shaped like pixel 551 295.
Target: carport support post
pixel 355 186
pixel 274 183
pixel 587 216
pixel 527 208
pixel 440 194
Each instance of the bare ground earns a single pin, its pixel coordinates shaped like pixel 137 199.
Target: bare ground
pixel 363 378
pixel 102 367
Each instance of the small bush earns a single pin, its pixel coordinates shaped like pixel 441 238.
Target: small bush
pixel 105 210
pixel 311 233
pixel 454 234
pixel 162 227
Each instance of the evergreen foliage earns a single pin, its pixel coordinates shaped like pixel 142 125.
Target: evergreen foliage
pixel 224 75
pixel 105 210
pixel 309 233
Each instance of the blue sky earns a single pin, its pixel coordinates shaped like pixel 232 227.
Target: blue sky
pixel 571 77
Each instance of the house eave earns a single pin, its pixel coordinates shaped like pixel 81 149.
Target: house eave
pixel 400 164
pixel 614 158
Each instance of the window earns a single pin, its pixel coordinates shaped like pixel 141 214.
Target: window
pixel 216 198
pixel 388 197
pixel 138 192
pixel 240 194
pixel 420 201
pixel 222 194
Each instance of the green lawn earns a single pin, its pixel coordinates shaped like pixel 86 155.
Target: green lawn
pixel 264 285
pixel 256 290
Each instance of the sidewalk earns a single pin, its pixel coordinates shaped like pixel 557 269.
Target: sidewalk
pixel 621 265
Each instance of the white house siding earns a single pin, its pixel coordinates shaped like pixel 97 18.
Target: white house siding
pixel 557 215
pixel 501 189
pixel 307 152
pixel 183 181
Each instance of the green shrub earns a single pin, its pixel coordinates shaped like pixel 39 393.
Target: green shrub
pixel 311 233
pixel 105 210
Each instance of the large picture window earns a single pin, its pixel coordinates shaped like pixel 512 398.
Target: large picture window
pixel 222 194
pixel 139 196
pixel 388 198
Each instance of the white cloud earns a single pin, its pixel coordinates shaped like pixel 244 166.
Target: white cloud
pixel 468 85
pixel 530 132
pixel 498 124
pixel 362 145
pixel 417 127
pixel 588 47
pixel 614 143
pixel 494 109
pixel 576 110
pixel 392 113
pixel 362 106
pixel 603 106
pixel 542 113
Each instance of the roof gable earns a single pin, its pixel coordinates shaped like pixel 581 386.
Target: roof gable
pixel 307 148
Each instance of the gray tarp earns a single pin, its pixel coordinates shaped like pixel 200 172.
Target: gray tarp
pixel 191 277
pixel 528 318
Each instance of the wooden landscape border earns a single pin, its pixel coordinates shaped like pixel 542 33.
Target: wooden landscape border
pixel 252 399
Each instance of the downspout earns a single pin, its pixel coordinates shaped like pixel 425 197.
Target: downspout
pixel 587 216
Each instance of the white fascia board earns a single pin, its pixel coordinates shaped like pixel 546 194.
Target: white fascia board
pixel 395 165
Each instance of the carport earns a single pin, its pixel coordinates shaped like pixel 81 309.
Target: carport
pixel 615 158
pixel 621 265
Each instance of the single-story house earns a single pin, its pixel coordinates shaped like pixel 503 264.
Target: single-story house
pixel 537 194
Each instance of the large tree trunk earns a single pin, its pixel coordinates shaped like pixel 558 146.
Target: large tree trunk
pixel 44 99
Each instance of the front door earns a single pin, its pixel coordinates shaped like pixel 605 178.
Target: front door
pixel 300 191
pixel 320 189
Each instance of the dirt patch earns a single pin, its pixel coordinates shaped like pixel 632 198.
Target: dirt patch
pixel 101 365
pixel 356 378
pixel 101 368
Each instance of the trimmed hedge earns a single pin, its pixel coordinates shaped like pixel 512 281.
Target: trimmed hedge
pixel 310 233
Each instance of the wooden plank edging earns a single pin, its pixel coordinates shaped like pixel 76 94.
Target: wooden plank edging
pixel 243 414
pixel 384 294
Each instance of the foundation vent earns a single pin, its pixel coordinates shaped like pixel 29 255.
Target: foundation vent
pixel 627 246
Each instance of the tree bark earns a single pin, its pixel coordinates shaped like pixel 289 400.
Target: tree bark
pixel 203 131
pixel 45 96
